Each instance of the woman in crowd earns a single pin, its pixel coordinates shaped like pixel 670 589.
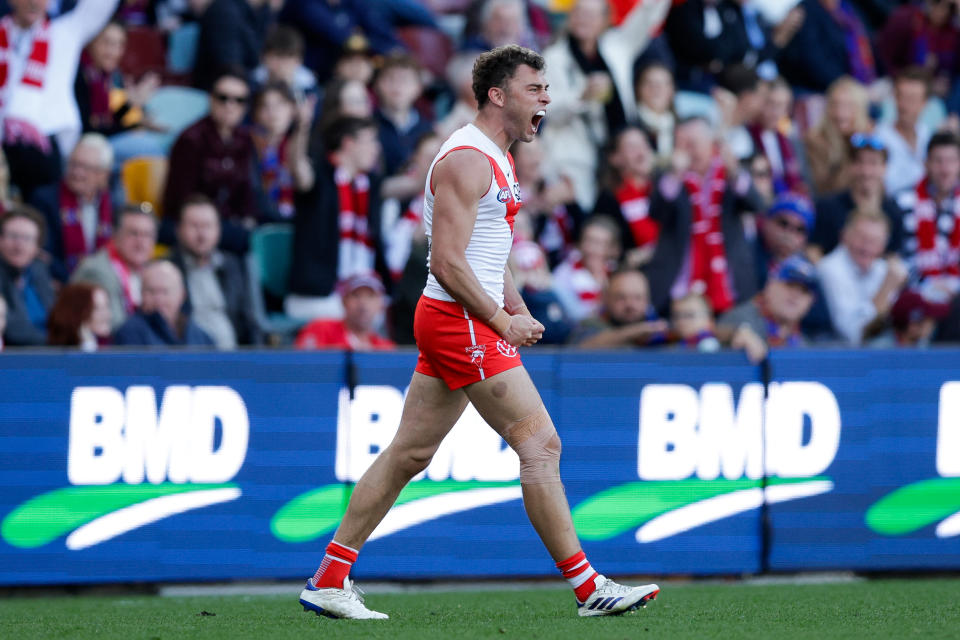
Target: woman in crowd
pixel 827 143
pixel 655 93
pixel 274 113
pixel 80 318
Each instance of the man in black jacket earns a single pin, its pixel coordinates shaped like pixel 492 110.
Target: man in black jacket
pixel 217 293
pixel 24 280
pixel 336 228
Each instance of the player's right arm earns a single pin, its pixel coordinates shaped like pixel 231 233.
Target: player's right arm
pixel 459 181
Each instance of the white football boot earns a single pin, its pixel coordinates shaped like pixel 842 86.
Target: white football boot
pixel 612 599
pixel 338 603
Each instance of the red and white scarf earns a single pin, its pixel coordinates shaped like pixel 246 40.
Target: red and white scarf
pixel 634 202
pixel 17 126
pixel 75 246
pixel 401 237
pixel 36 68
pixel 709 274
pixel 356 245
pixel 931 260
pixel 123 272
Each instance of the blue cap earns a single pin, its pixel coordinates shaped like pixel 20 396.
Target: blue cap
pixel 797 270
pixel 796 204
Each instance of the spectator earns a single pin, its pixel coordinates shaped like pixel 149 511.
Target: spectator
pixel 692 325
pixel 832 43
pixel 356 61
pixel 341 98
pixel 282 61
pixel 459 76
pixel 39 114
pixel 590 72
pixel 398 86
pixel 626 320
pixel 867 167
pixel 116 268
pixel 761 175
pixel 548 200
pixel 363 305
pixel 655 94
pixel 924 35
pixel 274 114
pixel 215 157
pixel 218 295
pixel 24 280
pixel 329 25
pixel 500 22
pixel 531 276
pixel 771 137
pixel 740 97
pixel 784 230
pixel 80 318
pixel 858 284
pixel 702 247
pixel 3 320
pixel 914 321
pixel 628 189
pixel 827 143
pixel 161 321
pixel 776 312
pixel 231 35
pixel 906 139
pixel 582 276
pixel 337 221
pixel 78 213
pixel 932 221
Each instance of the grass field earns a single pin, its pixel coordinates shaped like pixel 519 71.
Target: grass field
pixel 868 609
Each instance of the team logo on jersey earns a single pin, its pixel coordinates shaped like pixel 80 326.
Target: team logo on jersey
pixel 507 349
pixel 504 195
pixel 477 351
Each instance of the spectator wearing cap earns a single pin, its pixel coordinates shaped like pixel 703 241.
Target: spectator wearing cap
pixel 336 228
pixel 215 157
pixel 772 135
pixel 397 86
pixel 859 285
pixel 699 205
pixel 776 312
pixel 231 35
pixel 868 164
pixel 24 280
pixel 218 298
pixel 40 119
pixel 932 222
pixel 914 320
pixel 590 73
pixel 626 319
pixel 906 138
pixel 827 144
pixel 78 211
pixel 784 230
pixel 161 320
pixel 363 304
pixel 282 61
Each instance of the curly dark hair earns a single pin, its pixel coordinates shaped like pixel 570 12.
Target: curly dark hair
pixel 494 68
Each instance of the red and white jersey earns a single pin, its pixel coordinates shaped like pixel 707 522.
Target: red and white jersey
pixel 492 236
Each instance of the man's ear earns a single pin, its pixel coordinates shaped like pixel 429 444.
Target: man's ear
pixel 497 96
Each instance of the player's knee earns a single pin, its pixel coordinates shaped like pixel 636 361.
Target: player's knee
pixel 413 461
pixel 538 446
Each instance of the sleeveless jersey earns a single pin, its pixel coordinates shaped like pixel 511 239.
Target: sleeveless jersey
pixel 492 235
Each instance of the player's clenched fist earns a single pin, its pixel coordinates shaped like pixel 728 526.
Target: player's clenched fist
pixel 520 330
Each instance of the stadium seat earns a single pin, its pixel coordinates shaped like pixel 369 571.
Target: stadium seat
pixel 268 268
pixel 176 108
pixel 182 48
pixel 143 180
pixel 145 52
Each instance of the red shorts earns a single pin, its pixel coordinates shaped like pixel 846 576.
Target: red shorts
pixel 456 347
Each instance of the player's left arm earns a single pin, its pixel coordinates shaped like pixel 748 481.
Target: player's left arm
pixel 512 300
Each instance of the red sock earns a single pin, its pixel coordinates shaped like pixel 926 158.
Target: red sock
pixel 579 574
pixel 335 566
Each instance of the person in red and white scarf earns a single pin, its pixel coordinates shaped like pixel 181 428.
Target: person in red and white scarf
pixel 702 248
pixel 932 224
pixel 337 222
pixel 581 278
pixel 627 194
pixel 39 56
pixel 78 210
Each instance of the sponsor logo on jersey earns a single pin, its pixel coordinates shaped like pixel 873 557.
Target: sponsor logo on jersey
pixel 506 349
pixel 504 195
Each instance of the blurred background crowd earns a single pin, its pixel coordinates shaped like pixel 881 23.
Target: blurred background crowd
pixel 751 174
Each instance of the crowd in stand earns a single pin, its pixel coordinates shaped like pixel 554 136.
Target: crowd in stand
pixel 748 174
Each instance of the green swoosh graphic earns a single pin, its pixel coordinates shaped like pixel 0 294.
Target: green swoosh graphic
pixel 622 508
pixel 914 506
pixel 318 511
pixel 46 517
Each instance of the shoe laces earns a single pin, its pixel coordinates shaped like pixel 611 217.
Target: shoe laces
pixel 357 592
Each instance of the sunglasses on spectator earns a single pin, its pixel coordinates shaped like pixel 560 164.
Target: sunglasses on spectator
pixel 762 174
pixel 225 98
pixel 864 141
pixel 787 225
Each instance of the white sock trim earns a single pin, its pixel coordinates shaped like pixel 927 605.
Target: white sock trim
pixel 582 577
pixel 345 547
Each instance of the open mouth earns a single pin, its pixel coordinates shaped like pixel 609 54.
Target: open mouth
pixel 537 119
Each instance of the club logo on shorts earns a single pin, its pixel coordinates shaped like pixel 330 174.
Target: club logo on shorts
pixel 504 195
pixel 477 351
pixel 507 349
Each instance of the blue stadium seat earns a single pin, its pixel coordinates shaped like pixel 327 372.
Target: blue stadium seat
pixel 176 108
pixel 268 268
pixel 182 48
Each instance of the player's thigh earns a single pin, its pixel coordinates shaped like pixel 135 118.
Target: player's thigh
pixel 505 399
pixel 429 412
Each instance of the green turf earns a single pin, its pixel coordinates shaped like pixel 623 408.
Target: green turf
pixel 875 609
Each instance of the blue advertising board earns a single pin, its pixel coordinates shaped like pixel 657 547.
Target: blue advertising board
pixel 208 466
